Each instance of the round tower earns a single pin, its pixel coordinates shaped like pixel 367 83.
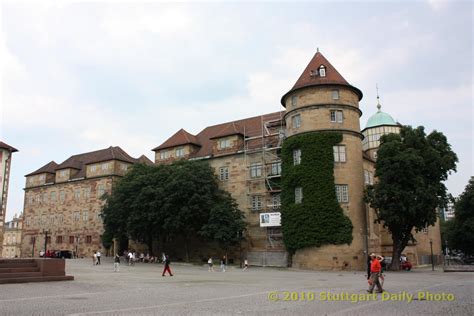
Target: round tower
pixel 320 101
pixel 379 124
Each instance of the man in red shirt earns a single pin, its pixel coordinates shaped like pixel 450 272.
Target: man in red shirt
pixel 375 270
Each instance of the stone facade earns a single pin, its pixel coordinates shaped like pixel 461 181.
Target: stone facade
pixel 249 168
pixel 6 152
pixel 65 201
pixel 12 238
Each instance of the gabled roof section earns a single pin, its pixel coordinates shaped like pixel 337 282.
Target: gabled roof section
pixel 111 153
pixel 144 159
pixel 50 167
pixel 311 76
pixel 7 147
pixel 230 129
pixel 251 127
pixel 181 137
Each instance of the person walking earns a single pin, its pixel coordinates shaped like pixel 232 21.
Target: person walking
pixel 223 264
pixel 375 270
pixel 117 263
pixel 167 266
pixel 209 263
pixel 98 257
pixel 246 264
pixel 94 258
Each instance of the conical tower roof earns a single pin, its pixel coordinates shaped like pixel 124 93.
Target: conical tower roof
pixel 319 72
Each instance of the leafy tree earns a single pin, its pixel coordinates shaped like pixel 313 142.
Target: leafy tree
pixel 410 169
pixel 460 230
pixel 226 222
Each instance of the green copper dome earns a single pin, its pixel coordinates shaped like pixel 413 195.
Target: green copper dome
pixel 380 118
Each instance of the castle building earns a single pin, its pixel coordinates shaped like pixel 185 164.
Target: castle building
pixel 5 165
pixel 246 157
pixel 63 201
pixel 12 238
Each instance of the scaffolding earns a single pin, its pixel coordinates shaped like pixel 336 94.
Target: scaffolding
pixel 263 175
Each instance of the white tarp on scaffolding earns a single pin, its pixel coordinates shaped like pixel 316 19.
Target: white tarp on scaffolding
pixel 270 219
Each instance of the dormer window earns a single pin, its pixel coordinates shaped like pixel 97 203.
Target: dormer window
pixel 322 71
pixel 179 152
pixel 224 143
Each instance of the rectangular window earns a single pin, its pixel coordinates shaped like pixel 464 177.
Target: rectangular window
pixel 71 239
pixel 296 121
pixel 335 94
pixel 77 194
pixel 60 218
pixel 59 239
pixel 85 216
pixel 296 157
pixel 179 152
pixel 87 193
pixel 53 197
pixel 224 173
pixel 105 166
pixel 255 170
pixel 224 143
pixel 256 201
pixel 123 167
pixel 62 196
pixel 62 173
pixel 276 168
pixel 342 193
pixel 336 116
pixel 164 154
pixel 371 178
pixel 298 195
pixel 294 100
pixel 276 201
pixel 100 190
pixel 45 198
pixel 77 216
pixel 366 177
pixel 88 239
pixel 27 221
pixel 339 153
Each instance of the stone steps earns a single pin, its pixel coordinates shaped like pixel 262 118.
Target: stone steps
pixel 37 279
pixel 16 270
pixel 32 270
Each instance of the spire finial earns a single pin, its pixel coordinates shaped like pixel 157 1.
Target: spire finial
pixel 317 49
pixel 378 98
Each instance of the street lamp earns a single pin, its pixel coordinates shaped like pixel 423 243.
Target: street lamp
pixel 432 262
pixel 33 250
pixel 45 232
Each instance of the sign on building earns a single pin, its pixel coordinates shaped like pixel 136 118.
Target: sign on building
pixel 270 219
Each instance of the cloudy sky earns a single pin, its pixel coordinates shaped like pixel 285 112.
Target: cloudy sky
pixel 81 76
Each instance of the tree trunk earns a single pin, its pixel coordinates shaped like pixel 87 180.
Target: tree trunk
pixel 399 245
pixel 186 248
pixel 150 245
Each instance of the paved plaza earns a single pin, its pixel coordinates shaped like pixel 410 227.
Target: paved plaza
pixel 141 290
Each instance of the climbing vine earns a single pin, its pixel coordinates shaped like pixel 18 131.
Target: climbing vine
pixel 318 219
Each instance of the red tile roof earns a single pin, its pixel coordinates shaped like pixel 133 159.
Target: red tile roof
pixel 311 77
pixel 228 130
pixel 80 161
pixel 8 147
pixel 181 137
pixel 50 167
pixel 250 127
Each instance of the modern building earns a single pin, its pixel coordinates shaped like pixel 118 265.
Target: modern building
pixel 63 201
pixel 246 157
pixel 6 152
pixel 12 237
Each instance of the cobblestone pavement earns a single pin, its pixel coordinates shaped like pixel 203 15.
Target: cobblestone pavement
pixel 141 290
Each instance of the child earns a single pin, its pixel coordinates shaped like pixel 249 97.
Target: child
pixel 167 266
pixel 246 264
pixel 209 262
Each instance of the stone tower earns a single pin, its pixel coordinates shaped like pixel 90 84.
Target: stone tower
pixel 322 100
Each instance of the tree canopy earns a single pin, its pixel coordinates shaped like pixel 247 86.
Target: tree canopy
pixel 460 230
pixel 180 199
pixel 411 167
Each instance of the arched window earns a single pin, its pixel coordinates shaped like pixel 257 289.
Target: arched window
pixel 322 71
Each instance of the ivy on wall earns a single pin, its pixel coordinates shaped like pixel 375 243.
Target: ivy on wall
pixel 319 219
